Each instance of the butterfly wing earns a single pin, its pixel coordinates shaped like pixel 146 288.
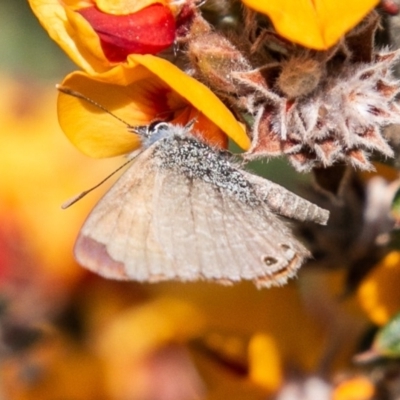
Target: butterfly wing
pixel 117 227
pixel 210 236
pixel 154 225
pixel 285 203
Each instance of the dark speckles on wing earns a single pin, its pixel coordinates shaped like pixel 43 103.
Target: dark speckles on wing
pixel 197 160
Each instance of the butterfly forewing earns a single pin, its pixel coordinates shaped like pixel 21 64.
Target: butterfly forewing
pixel 156 224
pixel 108 228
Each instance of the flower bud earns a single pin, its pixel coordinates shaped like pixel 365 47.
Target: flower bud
pixel 300 76
pixel 215 60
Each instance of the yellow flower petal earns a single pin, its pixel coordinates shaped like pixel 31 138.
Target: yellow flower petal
pixel 72 33
pixel 265 362
pixel 40 170
pixel 198 95
pixel 124 7
pixel 237 309
pixel 151 325
pixel 357 388
pixel 317 24
pixel 134 343
pixel 71 30
pixel 77 4
pixel 146 89
pixel 93 131
pixel 379 293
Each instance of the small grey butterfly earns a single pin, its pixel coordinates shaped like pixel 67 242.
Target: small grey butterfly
pixel 186 211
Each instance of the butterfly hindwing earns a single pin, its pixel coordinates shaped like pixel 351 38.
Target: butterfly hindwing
pixel 225 240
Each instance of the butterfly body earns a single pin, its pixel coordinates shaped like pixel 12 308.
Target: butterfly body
pixel 184 211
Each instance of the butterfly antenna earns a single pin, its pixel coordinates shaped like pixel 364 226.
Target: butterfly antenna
pixel 76 198
pixel 78 95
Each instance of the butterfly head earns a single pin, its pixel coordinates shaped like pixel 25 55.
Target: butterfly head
pixel 157 130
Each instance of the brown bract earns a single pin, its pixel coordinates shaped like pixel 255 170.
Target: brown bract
pixel 316 107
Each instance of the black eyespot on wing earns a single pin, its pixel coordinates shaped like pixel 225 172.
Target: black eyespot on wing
pixel 269 261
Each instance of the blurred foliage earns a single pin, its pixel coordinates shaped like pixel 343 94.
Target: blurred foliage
pixel 26 50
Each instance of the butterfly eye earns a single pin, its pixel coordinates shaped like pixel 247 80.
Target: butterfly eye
pixel 155 127
pixel 154 131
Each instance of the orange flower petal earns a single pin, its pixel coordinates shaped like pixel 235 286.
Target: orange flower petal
pixel 317 24
pixel 90 129
pixel 65 367
pixel 197 94
pixel 265 362
pixel 379 293
pixel 152 324
pixel 29 161
pixel 130 343
pixel 100 134
pixel 137 96
pixel 357 388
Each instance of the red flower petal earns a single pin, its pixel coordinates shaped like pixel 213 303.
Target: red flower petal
pixel 147 31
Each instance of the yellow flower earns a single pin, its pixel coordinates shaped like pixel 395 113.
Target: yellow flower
pixel 53 367
pixel 379 294
pixel 142 349
pixel 39 172
pixel 302 320
pixel 356 388
pixel 144 89
pixel 98 34
pixel 265 362
pixel 317 24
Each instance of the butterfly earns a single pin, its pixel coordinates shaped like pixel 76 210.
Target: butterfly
pixel 186 211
